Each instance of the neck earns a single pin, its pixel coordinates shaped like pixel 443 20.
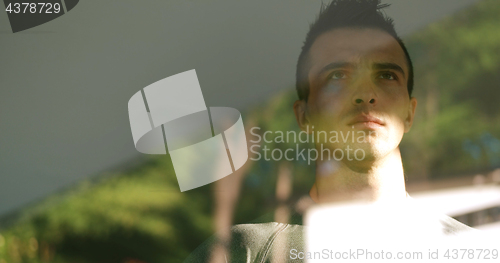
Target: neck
pixel 377 180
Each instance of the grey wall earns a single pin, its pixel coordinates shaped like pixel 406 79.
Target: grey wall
pixel 64 85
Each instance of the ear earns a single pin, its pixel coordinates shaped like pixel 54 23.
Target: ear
pixel 411 114
pixel 301 114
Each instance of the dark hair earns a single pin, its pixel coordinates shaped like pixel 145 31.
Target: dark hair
pixel 342 14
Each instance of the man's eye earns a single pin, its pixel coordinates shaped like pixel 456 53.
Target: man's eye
pixel 387 75
pixel 338 75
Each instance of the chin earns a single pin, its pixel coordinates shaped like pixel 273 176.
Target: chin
pixel 372 151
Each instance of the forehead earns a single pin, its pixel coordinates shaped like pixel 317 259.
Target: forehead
pixel 357 46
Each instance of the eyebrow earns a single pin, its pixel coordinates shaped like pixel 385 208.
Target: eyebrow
pixel 376 66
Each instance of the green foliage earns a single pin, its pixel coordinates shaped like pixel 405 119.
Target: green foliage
pixel 457 62
pixel 140 215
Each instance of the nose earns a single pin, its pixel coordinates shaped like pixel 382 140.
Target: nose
pixel 364 93
pixel 360 101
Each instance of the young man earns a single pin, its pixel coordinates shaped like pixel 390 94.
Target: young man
pixel 354 76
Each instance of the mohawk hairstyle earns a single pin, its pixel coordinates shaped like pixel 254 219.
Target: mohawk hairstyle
pixel 346 14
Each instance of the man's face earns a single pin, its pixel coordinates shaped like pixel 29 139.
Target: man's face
pixel 358 86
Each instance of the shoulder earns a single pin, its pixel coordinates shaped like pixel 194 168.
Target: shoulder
pixel 451 226
pixel 254 242
pixel 448 226
pixel 258 241
pixel 264 231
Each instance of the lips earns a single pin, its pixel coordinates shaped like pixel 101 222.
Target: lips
pixel 367 121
